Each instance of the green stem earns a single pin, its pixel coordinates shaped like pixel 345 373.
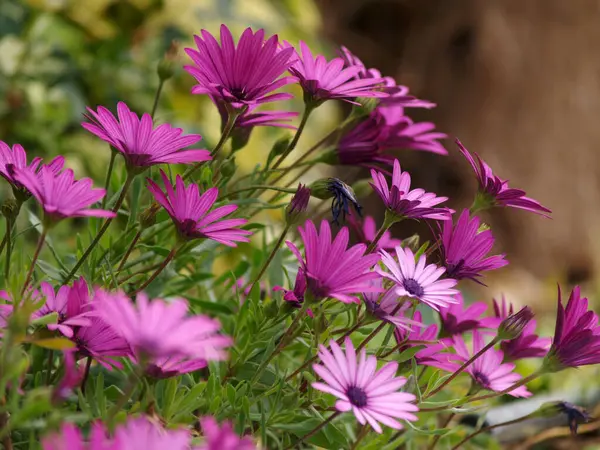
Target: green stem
pixel 270 258
pixel 139 272
pixel 124 190
pixel 260 186
pixel 38 249
pixel 364 430
pixel 109 172
pixel 389 220
pixel 50 364
pixel 378 329
pixel 157 97
pixel 8 238
pixel 308 109
pixel 159 269
pixel 129 250
pixel 463 367
pixel 438 437
pixel 314 431
pixel 489 428
pixel 86 373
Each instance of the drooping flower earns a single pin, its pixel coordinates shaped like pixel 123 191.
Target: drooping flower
pixel 222 437
pixel 60 195
pixel 366 230
pixel 323 80
pixel 240 76
pixel 295 297
pixel 191 212
pixel 528 344
pixel 69 438
pixel 576 335
pixel 332 269
pixel 418 280
pixel 488 370
pixel 464 248
pixel 387 308
pixel 155 329
pixel 169 366
pixel 457 320
pixel 495 191
pixel 575 414
pixel 71 308
pixel 140 433
pixel 372 395
pixel 343 197
pixel 71 379
pixel 141 144
pixel 406 203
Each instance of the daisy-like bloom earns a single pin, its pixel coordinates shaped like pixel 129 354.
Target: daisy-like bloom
pixel 403 202
pixel 527 344
pixel 465 248
pixel 222 437
pixel 69 438
pixel 242 75
pixel 60 195
pixel 191 212
pixel 139 142
pixel 366 230
pixel 140 433
pixel 156 329
pixel 457 320
pixel 70 306
pixel 332 269
pixel 576 335
pixel 387 308
pixel 323 80
pixel 372 395
pixel 343 197
pixel 418 280
pixel 16 158
pixel 494 191
pixel 488 371
pixel 168 366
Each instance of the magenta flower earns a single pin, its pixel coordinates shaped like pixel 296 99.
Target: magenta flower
pixel 488 371
pixel 420 280
pixel 366 231
pixel 72 309
pixel 387 307
pixel 323 80
pixel 16 158
pixel 240 76
pixel 139 142
pixel 71 379
pixel 576 335
pixel 168 366
pixel 495 191
pixel 333 270
pixel 295 297
pixel 465 248
pixel 407 203
pixel 156 329
pixel 70 438
pixel 372 395
pixel 141 433
pixel 457 320
pixel 191 214
pixel 298 204
pixel 60 195
pixel 5 312
pixel 222 437
pixel 527 344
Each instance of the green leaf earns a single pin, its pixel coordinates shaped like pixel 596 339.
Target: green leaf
pixel 56 343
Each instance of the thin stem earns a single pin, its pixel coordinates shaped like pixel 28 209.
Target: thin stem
pixel 129 250
pixel 489 428
pixel 463 367
pixel 159 269
pixel 107 223
pixel 438 437
pixel 157 97
pixel 8 237
pixel 308 109
pixel 314 431
pixel 364 430
pixel 139 272
pixel 50 364
pixel 224 136
pixel 3 243
pixel 389 220
pixel 270 258
pixel 38 249
pixel 378 329
pixel 86 373
pixel 109 172
pixel 253 188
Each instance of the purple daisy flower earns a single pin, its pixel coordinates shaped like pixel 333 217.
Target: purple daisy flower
pixel 191 212
pixel 323 80
pixel 386 306
pixel 404 202
pixel 60 195
pixel 366 230
pixel 332 269
pixel 488 371
pixel 139 142
pixel 157 328
pixel 69 438
pixel 372 395
pixel 418 280
pixel 576 335
pixel 140 433
pixel 527 344
pixel 457 320
pixel 465 248
pixel 222 437
pixel 495 191
pixel 240 76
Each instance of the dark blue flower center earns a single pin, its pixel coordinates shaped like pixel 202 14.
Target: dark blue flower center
pixel 357 396
pixel 343 198
pixel 413 287
pixel 481 379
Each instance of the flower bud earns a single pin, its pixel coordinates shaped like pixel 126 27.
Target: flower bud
pixel 280 146
pixel 10 209
pixel 342 194
pixel 575 414
pixel 228 167
pixel 206 176
pixel 147 217
pixel 165 68
pixel 297 205
pixel 513 325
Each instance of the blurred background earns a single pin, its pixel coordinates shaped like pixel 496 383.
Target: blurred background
pixel 517 81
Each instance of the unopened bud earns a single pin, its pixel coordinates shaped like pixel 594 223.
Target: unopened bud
pixel 147 217
pixel 513 325
pixel 10 209
pixel 280 146
pixel 165 66
pixel 575 414
pixel 228 167
pixel 298 204
pixel 206 176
